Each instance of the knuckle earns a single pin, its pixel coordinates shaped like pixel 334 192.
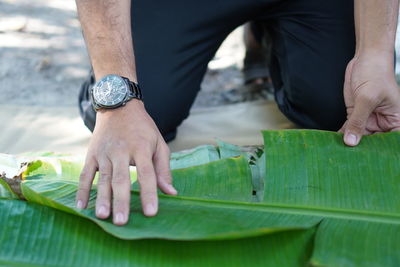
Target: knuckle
pixel 165 148
pixel 356 124
pixel 85 175
pixel 367 99
pixel 102 181
pixel 145 171
pixel 120 181
pixel 143 149
pixel 104 178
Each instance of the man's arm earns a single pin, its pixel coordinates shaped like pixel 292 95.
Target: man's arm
pixel 371 93
pixel 106 27
pixel 124 136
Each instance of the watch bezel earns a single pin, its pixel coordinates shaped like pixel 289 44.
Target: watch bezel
pixel 97 105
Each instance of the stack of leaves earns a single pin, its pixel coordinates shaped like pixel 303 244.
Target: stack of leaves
pixel 304 199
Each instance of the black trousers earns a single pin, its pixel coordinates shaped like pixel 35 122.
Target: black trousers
pixel 312 42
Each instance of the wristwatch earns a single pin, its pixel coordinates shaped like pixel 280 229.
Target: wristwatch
pixel 113 91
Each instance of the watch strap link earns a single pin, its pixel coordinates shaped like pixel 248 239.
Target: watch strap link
pixel 134 89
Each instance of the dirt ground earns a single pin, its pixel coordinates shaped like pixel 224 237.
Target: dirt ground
pixel 43 59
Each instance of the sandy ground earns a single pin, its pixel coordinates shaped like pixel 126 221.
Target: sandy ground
pixel 42 55
pixel 43 59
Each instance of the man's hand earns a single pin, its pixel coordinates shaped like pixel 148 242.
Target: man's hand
pixel 122 137
pixel 372 97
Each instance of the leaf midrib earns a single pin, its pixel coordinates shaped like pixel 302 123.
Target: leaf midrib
pixel 323 212
pixel 348 214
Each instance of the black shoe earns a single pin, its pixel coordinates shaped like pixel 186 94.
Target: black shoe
pixel 86 110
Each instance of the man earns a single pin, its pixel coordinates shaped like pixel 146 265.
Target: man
pixel 172 41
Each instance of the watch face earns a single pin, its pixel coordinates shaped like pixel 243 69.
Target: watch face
pixel 110 91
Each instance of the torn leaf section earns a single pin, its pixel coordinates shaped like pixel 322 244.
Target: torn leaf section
pixel 227 150
pixel 193 157
pixel 225 179
pixel 256 159
pixel 258 174
pixel 11 186
pixel 5 190
pixel 205 154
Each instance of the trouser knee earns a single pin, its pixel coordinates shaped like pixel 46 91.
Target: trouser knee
pixel 321 107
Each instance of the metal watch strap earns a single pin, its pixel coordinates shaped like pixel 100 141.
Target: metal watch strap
pixel 134 89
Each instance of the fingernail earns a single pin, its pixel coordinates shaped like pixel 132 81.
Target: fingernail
pixel 150 210
pixel 119 218
pixel 102 211
pixel 79 204
pixel 351 139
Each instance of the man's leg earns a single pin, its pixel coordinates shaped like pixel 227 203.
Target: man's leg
pixel 312 44
pixel 173 41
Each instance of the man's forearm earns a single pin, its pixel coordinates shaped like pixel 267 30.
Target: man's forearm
pixel 376 22
pixel 106 26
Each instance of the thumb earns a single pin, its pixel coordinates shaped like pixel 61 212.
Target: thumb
pixel 357 122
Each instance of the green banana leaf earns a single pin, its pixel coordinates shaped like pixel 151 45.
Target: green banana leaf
pixel 339 205
pixel 40 236
pixel 6 192
pixel 363 180
pixel 197 156
pixel 356 243
pixel 201 215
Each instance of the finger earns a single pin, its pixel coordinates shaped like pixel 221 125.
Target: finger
pixel 372 125
pixel 341 130
pixel 148 184
pixel 357 122
pixel 103 199
pixel 121 188
pixel 162 169
pixel 347 83
pixel 85 183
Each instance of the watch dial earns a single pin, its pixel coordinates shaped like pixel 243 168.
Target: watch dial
pixel 110 91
